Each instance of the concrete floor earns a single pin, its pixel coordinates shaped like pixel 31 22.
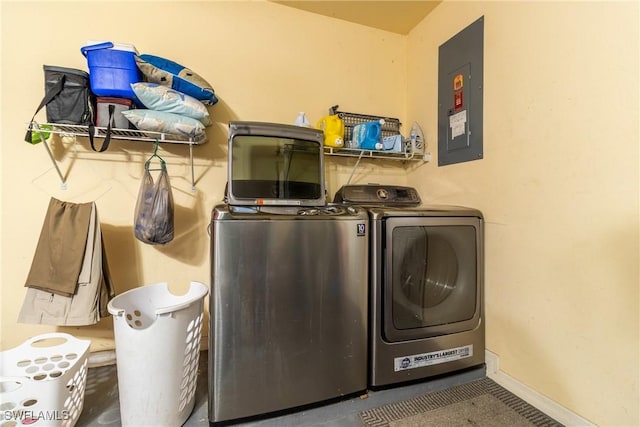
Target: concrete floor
pixel 101 404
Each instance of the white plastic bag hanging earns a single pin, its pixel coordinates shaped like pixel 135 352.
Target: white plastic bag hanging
pixel 154 208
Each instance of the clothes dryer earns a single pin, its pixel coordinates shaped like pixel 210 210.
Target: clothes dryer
pixel 426 285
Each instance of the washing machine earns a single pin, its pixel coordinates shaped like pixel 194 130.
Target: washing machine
pixel 289 280
pixel 288 308
pixel 426 284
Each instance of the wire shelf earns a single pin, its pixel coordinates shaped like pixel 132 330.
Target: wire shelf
pixel 390 127
pixel 122 134
pixel 372 154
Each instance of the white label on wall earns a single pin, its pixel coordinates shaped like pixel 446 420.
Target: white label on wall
pixel 457 123
pixel 433 358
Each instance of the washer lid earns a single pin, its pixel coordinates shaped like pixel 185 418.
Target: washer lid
pixel 378 194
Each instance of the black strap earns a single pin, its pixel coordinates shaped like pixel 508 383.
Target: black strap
pixel 107 139
pixel 48 97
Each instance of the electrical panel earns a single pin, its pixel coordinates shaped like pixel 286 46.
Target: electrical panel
pixel 460 87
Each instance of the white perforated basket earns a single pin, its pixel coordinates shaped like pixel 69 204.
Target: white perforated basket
pixel 42 381
pixel 157 350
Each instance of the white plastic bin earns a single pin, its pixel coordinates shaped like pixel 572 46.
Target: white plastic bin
pixel 42 381
pixel 157 338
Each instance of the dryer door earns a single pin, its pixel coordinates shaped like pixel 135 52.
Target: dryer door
pixel 432 282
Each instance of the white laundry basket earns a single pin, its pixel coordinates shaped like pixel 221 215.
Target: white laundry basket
pixel 157 338
pixel 42 381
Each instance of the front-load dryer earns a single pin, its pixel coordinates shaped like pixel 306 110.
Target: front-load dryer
pixel 426 287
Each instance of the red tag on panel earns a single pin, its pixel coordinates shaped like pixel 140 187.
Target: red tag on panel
pixel 457 100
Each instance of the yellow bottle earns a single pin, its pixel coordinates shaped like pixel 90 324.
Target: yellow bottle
pixel 333 128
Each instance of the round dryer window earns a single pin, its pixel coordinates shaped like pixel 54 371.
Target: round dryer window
pixel 433 275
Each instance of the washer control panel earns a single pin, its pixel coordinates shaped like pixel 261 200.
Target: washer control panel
pixel 328 210
pixel 377 194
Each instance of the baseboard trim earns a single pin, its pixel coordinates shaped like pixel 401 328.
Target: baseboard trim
pixel 543 403
pixel 108 357
pixel 102 358
pixel 492 361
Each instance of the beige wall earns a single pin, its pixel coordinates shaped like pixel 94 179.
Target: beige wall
pixel 558 184
pixel 266 62
pixel 559 187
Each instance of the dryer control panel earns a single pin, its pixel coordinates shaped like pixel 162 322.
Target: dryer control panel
pixel 378 195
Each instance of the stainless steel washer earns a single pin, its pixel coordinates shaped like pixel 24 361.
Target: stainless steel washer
pixel 426 285
pixel 288 308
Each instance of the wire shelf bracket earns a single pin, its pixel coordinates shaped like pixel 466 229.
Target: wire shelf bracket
pixel 121 134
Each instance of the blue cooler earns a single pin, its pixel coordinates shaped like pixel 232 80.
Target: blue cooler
pixel 112 69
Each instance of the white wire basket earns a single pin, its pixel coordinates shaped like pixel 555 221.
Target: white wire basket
pixel 42 381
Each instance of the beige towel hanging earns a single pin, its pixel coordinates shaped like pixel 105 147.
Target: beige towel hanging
pixel 93 288
pixel 58 259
